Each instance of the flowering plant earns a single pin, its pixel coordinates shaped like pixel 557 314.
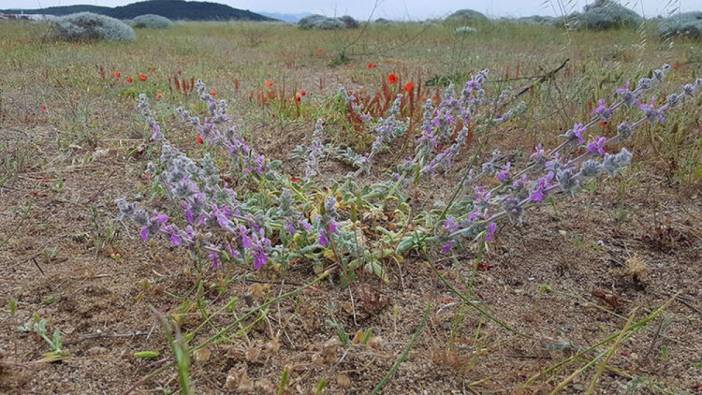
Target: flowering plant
pixel 252 213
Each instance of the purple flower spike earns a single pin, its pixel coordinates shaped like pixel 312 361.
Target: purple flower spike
pixel 450 225
pixel 602 111
pixel 490 232
pixel 597 146
pixel 144 233
pixel 214 260
pixel 538 193
pixel 577 133
pixel 447 247
pixel 503 175
pixel 260 259
pixel 323 240
pixel 332 227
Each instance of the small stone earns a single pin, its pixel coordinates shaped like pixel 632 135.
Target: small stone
pixel 343 380
pixel 202 355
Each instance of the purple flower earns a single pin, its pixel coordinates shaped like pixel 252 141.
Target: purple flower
pixel 323 239
pixel 538 193
pixel 447 247
pixel 474 215
pixel 331 227
pixel 577 133
pixel 231 251
pixel 597 146
pixel 222 215
pixel 214 260
pixel 539 154
pixel 245 239
pixel 482 195
pixel 144 233
pixel 652 113
pixel 306 226
pixel 602 111
pixel 490 232
pixel 259 258
pixel 450 225
pixel 290 228
pixel 159 219
pixel 189 215
pixel 503 175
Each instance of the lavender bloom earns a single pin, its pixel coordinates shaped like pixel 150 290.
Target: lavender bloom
pixel 539 191
pixel 214 260
pixel 447 247
pixel 602 111
pixel 450 225
pixel 652 113
pixel 597 146
pixel 490 232
pixel 538 156
pixel 576 133
pixel 503 175
pixel 629 97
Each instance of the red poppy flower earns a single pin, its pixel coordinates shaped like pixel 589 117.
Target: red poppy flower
pixel 299 95
pixel 130 79
pixel 213 92
pixel 409 87
pixel 143 77
pixel 371 66
pixel 42 109
pixel 116 74
pixel 295 180
pixel 268 83
pixel 393 78
pixel 198 139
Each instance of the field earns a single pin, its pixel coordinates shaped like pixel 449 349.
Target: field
pixel 599 292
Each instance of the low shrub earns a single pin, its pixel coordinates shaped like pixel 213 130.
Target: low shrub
pixel 320 22
pixel 686 24
pixel 151 21
pixel 466 30
pixel 87 26
pixel 467 16
pixel 606 14
pixel 349 22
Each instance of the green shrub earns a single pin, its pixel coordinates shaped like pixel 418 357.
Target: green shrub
pixel 320 22
pixel 349 22
pixel 467 16
pixel 465 30
pixel 537 20
pixel 151 21
pixel 606 14
pixel 87 26
pixel 686 24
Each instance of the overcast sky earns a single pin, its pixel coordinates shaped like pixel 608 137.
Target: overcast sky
pixel 393 9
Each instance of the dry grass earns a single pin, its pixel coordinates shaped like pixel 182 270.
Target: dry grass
pixel 71 143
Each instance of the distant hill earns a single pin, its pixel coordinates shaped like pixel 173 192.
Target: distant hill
pixel 172 9
pixel 289 18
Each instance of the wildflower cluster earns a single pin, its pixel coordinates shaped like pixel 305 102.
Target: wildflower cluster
pixel 254 214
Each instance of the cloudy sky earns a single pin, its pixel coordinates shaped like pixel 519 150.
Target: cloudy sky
pixel 395 9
